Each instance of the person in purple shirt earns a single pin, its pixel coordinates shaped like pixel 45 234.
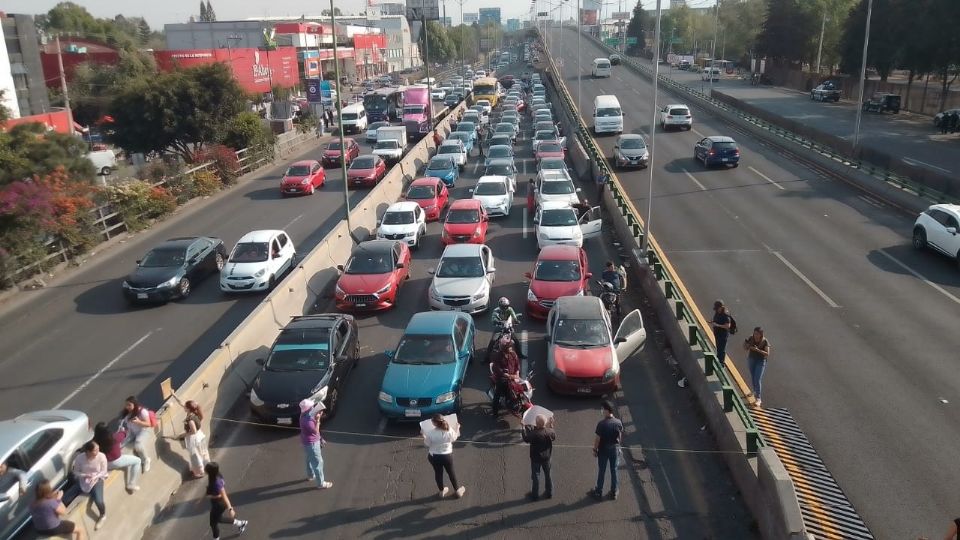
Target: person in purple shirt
pixel 312 442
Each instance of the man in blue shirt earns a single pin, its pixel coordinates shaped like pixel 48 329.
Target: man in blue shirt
pixel 606 448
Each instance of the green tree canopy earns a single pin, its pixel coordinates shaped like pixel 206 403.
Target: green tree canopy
pixel 29 149
pixel 94 85
pixel 639 23
pixel 886 37
pixel 787 32
pixel 121 32
pixel 442 48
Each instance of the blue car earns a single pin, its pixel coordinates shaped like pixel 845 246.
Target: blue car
pixel 465 138
pixel 717 150
pixel 426 371
pixel 443 167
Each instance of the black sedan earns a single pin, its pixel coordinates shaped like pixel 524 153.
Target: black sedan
pixel 311 358
pixel 170 270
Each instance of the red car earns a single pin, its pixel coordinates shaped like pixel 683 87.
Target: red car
pixel 303 177
pixel 561 270
pixel 431 194
pixel 366 171
pixel 466 223
pixel 332 153
pixel 372 276
pixel 550 150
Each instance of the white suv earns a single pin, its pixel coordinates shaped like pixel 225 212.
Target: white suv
pixel 677 116
pixel 938 227
pixel 403 221
pixel 258 261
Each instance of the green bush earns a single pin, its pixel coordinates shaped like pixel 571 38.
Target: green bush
pixel 205 183
pixel 138 201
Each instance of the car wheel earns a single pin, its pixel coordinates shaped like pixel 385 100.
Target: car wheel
pixel 919 238
pixel 312 190
pixel 334 400
pixel 183 288
pixel 271 283
pixel 105 171
pixel 218 261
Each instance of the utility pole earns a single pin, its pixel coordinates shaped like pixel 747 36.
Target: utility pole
pixel 863 78
pixel 63 87
pixel 426 63
pixel 339 106
pixel 579 39
pixel 713 52
pixel 823 28
pixel 645 243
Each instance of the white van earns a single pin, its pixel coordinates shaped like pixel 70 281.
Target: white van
pixel 601 67
pixel 104 161
pixel 353 118
pixel 607 115
pixel 710 73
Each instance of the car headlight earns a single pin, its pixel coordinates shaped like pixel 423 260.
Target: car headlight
pixel 446 398
pixel 384 289
pixel 609 374
pixel 305 181
pixel 431 207
pixel 172 282
pixel 444 234
pixel 557 374
pixel 126 285
pixel 476 233
pixel 339 292
pixel 530 296
pixel 385 397
pixel 260 273
pixel 255 399
pixel 434 295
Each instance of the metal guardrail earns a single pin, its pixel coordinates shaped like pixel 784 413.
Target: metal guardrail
pixel 686 312
pixel 887 176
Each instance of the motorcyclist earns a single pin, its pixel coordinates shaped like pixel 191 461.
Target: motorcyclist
pixel 613 284
pixel 502 314
pixel 506 368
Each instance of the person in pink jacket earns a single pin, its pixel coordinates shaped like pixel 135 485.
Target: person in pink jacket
pixel 90 469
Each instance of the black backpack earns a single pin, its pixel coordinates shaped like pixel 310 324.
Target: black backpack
pixel 733 324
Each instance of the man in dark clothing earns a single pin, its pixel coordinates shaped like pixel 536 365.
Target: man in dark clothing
pixel 954 122
pixel 506 367
pixel 606 448
pixel 612 276
pixel 721 328
pixel 540 437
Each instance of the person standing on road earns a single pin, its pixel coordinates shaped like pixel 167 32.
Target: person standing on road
pixel 111 444
pixel 606 448
pixel 47 511
pixel 135 422
pixel 721 328
pixel 758 350
pixel 221 510
pixel 531 196
pixel 439 444
pixel 90 470
pixel 540 437
pixel 312 442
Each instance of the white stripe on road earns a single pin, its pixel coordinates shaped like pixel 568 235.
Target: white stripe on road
pixel 767 178
pixel 701 135
pixel 910 161
pixel 104 369
pixel 695 181
pixel 806 280
pixel 292 221
pixel 920 276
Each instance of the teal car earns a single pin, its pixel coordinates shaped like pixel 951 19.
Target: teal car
pixel 445 168
pixel 426 370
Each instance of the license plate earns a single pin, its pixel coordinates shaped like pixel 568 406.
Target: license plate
pixel 141 296
pixel 724 159
pixel 584 390
pixel 360 305
pixel 285 421
pixel 412 413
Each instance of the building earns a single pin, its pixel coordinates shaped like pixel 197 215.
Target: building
pixel 393 8
pixel 21 71
pixel 73 52
pixel 402 51
pixel 489 15
pixel 470 18
pixel 513 25
pixel 256 70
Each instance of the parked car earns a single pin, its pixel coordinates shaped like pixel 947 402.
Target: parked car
pixel 880 102
pixel 426 371
pixel 404 220
pixel 332 154
pixel 560 271
pixel 557 223
pixel 583 352
pixel 170 270
pixel 366 171
pixel 466 223
pixel 938 228
pixel 258 261
pixel 302 178
pixel 495 193
pixel 826 91
pixel 431 194
pixel 43 445
pixel 373 275
pixel 631 151
pixel 717 150
pixel 104 161
pixel 310 359
pixel 677 116
pixel 444 168
pixel 454 148
pixel 462 279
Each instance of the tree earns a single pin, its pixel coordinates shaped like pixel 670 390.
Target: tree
pixel 441 48
pixel 94 85
pixel 143 31
pixel 181 111
pixel 211 15
pixel 787 32
pixel 883 52
pixel 639 23
pixel 203 12
pixel 67 17
pixel 28 150
pixel 336 12
pixel 740 24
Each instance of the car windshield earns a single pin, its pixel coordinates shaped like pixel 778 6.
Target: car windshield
pixel 466 127
pixel 557 187
pixel 465 215
pixel 425 349
pixel 552 164
pixel 249 252
pixel 499 170
pixel 558 217
pixel 377 125
pixel 608 112
pixel 500 141
pixel 460 267
pixel 632 144
pixel 557 271
pixel 726 145
pixel 398 218
pixel 438 164
pixel 350 116
pixel 490 188
pixel 583 333
pixel 299 352
pixel 164 257
pixel 450 149
pixel 363 162
pixel 333 146
pixel 298 170
pixel 413 109
pixel 500 152
pixel 387 145
pixel 483 103
pixel 421 192
pixel 369 263
pixel 550 147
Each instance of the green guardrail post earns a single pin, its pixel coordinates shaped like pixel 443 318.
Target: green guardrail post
pixel 681 310
pixel 630 220
pixel 668 289
pixel 637 233
pixel 658 270
pixel 693 332
pixel 728 398
pixel 753 440
pixel 709 363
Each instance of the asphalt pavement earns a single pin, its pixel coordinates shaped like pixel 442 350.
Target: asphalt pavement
pixel 674 484
pixel 861 325
pixel 76 344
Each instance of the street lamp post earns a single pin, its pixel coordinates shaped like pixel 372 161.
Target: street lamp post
pixel 339 106
pixel 823 29
pixel 579 39
pixel 713 51
pixel 863 78
pixel 645 243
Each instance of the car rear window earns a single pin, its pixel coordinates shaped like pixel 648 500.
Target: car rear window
pixel 679 112
pixel 725 145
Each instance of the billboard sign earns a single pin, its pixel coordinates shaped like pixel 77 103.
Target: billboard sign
pixel 255 70
pixel 588 17
pixel 420 9
pixel 631 41
pixel 313 91
pixel 621 16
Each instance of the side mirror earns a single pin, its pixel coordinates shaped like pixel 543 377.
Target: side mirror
pixel 400 265
pixel 388 353
pixel 432 271
pixel 589 275
pixel 470 190
pixel 951 230
pixel 261 361
pixel 528 275
pixel 491 270
pixel 139 261
pixel 579 190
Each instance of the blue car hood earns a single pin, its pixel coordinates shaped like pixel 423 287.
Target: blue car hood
pixel 419 381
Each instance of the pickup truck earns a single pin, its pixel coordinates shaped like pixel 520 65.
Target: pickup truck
pixel 389 150
pixel 826 91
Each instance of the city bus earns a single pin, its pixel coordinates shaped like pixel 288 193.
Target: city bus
pixel 486 88
pixel 383 105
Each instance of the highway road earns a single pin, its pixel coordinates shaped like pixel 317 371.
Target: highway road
pixel 383 486
pixel 862 326
pixel 76 344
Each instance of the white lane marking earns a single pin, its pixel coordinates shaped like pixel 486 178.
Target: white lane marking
pixel 806 280
pixel 695 181
pixel 767 178
pixel 524 350
pixel 920 276
pixel 871 201
pixel 476 168
pixel 523 234
pixel 292 221
pixel 701 135
pixel 910 161
pixel 712 251
pixel 103 370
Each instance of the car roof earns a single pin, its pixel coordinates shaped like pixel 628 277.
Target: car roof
pixel 507 146
pixel 492 178
pixel 579 307
pixel 452 142
pixel 672 105
pixel 462 204
pixel 438 159
pixel 631 136
pixel 555 205
pixel 319 320
pixel 310 162
pixel 264 235
pixel 180 243
pixel 559 252
pixel 721 138
pixel 402 206
pixel 425 181
pixel 376 246
pixel 13 431
pixel 501 161
pixel 461 250
pixel 955 208
pixel 548 175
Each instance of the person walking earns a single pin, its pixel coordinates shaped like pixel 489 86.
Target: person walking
pixel 606 448
pixel 531 196
pixel 439 443
pixel 221 510
pixel 135 422
pixel 195 439
pixel 111 445
pixel 721 328
pixel 758 350
pixel 540 437
pixel 312 442
pixel 90 469
pixel 47 512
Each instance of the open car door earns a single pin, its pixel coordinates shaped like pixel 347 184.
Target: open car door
pixel 630 336
pixel 590 223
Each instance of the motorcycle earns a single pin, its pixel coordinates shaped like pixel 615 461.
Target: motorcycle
pixel 610 299
pixel 502 330
pixel 520 395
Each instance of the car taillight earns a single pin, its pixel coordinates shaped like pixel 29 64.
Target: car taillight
pixel 669 117
pixel 736 152
pixel 712 152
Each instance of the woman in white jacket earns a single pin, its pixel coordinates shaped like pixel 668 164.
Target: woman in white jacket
pixel 194 439
pixel 439 444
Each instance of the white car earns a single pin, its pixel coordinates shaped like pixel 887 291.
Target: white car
pixel 455 149
pixel 677 116
pixel 485 103
pixel 463 278
pixel 372 130
pixel 404 221
pixel 938 228
pixel 482 113
pixel 556 185
pixel 437 94
pixel 258 261
pixel 388 150
pixel 495 194
pixel 557 223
